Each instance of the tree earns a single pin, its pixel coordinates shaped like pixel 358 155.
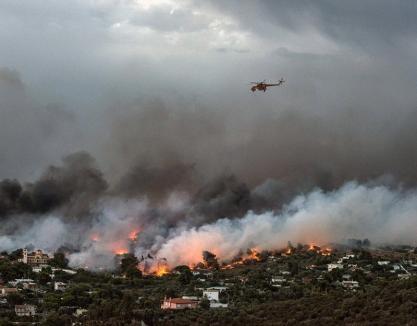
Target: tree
pixel 185 276
pixel 43 277
pixel 210 260
pixel 59 260
pixel 55 318
pixel 293 267
pixel 14 299
pixel 133 272
pixel 10 271
pixel 15 255
pixel 205 303
pixel 128 263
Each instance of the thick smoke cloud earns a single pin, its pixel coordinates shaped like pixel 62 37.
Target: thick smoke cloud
pixel 354 211
pixel 76 185
pixel 157 92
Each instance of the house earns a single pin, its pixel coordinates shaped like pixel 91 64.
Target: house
pixel 383 262
pixel 25 310
pixel 346 257
pixel 350 284
pixel 277 281
pixel 60 286
pixel 65 270
pixel 333 266
pixel 190 297
pixel 218 288
pixel 35 258
pixel 30 285
pixel 79 312
pixel 6 291
pixel 18 281
pixel 179 303
pixel 218 305
pixel 396 267
pixel 211 295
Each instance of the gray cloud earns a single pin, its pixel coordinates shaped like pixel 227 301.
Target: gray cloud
pixel 158 93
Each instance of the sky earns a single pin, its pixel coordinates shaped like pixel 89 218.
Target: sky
pixel 144 110
pixel 163 80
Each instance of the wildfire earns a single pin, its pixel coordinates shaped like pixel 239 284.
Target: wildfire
pixel 161 270
pixel 326 252
pixel 321 251
pixel 95 237
pixel 133 235
pixel 120 251
pixel 253 254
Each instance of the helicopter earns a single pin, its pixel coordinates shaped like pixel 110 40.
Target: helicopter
pixel 262 86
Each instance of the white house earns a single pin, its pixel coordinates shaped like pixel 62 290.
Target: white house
pixel 79 312
pixel 350 284
pixel 218 288
pixel 25 310
pixel 333 266
pixel 60 286
pixel 383 262
pixel 212 295
pixel 218 305
pixel 21 281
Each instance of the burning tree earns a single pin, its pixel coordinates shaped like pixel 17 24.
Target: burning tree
pixel 210 260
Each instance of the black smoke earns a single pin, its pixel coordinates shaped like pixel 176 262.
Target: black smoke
pixel 73 186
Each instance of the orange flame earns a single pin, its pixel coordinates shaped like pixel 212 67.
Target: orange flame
pixel 133 235
pixel 254 255
pixel 120 251
pixel 326 252
pixel 161 270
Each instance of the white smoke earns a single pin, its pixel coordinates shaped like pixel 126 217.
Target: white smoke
pixel 353 211
pixel 379 213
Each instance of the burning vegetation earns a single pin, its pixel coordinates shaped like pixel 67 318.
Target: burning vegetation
pixel 152 265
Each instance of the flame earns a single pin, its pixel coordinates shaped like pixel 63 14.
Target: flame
pixel 133 235
pixel 326 252
pixel 120 251
pixel 95 237
pixel 254 254
pixel 161 270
